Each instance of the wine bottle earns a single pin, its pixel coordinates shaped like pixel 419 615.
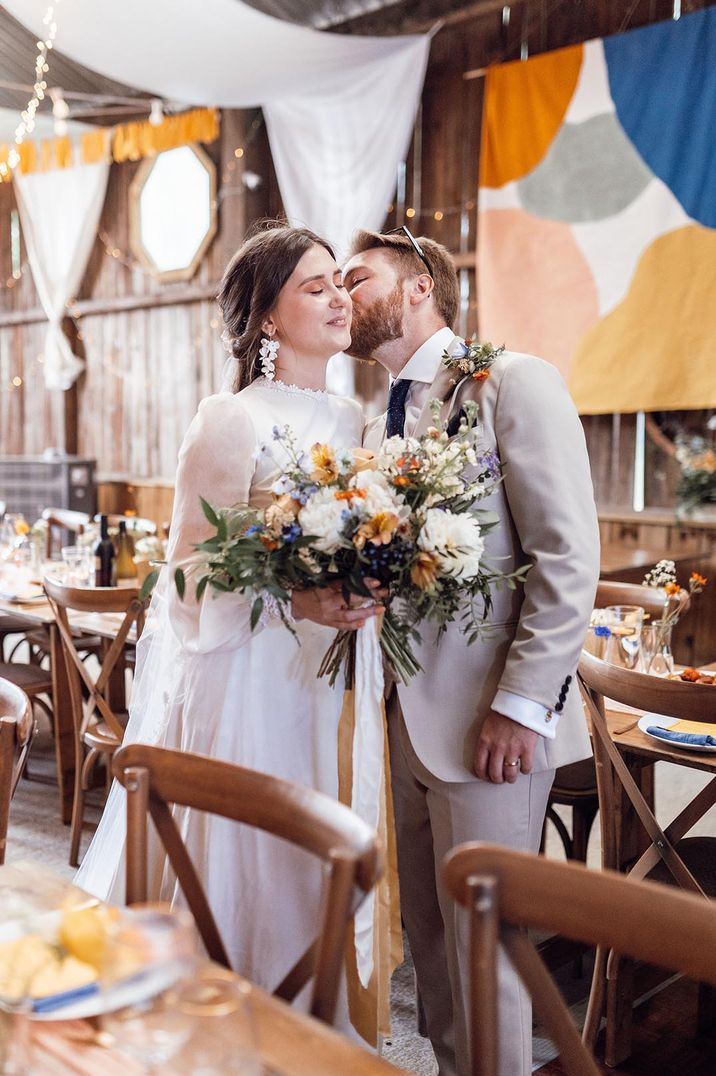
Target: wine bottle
pixel 104 556
pixel 126 568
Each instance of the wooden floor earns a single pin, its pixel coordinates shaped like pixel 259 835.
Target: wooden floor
pixel 665 1040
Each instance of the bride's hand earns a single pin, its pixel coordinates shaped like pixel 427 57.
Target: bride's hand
pixel 327 606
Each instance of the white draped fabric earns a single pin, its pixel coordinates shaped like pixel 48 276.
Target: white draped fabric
pixel 340 108
pixel 59 212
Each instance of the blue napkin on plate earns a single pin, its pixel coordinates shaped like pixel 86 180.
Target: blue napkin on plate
pixel 698 739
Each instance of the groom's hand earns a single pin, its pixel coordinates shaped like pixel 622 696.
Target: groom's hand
pixel 327 606
pixel 502 741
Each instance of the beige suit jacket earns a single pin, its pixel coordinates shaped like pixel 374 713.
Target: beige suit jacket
pixel 548 520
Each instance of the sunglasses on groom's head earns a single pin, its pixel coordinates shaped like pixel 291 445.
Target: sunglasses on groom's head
pixel 404 230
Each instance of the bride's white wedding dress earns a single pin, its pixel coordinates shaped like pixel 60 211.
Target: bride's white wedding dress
pixel 205 683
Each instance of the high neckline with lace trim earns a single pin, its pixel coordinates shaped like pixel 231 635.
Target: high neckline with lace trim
pixel 295 390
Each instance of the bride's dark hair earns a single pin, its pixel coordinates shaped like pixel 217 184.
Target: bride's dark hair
pixel 251 286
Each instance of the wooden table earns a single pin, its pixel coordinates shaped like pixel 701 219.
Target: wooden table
pixel 641 753
pixel 39 614
pixel 289 1043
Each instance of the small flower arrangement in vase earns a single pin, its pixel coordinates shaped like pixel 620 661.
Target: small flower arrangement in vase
pixel 656 636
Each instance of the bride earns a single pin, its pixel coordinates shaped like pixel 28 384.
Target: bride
pixel 205 682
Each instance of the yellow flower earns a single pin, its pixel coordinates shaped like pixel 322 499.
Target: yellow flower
pixel 363 460
pixel 324 463
pixel 22 527
pixel 378 531
pixel 424 571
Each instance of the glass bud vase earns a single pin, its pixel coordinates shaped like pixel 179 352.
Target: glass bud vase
pixel 656 648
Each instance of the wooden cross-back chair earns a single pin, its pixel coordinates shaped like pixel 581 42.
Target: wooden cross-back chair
pixel 156 778
pixel 575 785
pixel 671 856
pixel 60 520
pixel 98 731
pixel 17 729
pixel 507 893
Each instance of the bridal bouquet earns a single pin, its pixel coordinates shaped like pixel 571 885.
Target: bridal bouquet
pixel 406 517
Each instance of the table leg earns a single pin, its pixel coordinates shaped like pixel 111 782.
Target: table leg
pixel 64 730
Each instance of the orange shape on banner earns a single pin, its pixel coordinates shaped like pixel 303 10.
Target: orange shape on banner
pixel 525 104
pixel 533 303
pixel 655 352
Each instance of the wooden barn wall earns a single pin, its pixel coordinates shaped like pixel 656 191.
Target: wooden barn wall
pixel 153 350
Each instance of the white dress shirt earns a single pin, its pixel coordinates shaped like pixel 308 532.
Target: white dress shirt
pixel 422 368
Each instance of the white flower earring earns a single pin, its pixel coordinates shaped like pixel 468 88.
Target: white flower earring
pixel 267 355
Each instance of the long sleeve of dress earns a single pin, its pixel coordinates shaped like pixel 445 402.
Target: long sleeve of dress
pixel 216 462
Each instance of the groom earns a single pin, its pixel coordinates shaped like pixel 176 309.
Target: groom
pixel 476 737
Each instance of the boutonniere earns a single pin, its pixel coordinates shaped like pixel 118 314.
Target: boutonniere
pixel 469 358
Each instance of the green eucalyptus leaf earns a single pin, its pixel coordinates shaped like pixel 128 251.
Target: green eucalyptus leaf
pixel 180 582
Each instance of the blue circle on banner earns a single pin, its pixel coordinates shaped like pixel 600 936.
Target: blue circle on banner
pixel 663 83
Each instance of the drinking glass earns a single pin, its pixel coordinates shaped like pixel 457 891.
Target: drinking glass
pixel 79 564
pixel 15 1036
pixel 223 1039
pixel 625 623
pixel 150 951
pixel 656 654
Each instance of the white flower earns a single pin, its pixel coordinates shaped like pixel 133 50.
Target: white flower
pixel 283 484
pixel 322 516
pixel 455 540
pixel 460 350
pixel 664 572
pixel 380 496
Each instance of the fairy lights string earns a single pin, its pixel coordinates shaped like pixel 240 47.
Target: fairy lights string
pixel 27 118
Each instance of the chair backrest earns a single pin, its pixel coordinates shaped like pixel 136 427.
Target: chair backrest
pixel 508 892
pixel 652 599
pixel 62 519
pixel 17 729
pixel 64 599
pixel 156 778
pixel 600 680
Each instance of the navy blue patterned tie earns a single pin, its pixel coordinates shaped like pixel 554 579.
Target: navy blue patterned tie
pixel 395 418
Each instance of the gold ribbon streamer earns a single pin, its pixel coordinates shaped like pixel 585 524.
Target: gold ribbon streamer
pixel 369 1007
pixel 126 142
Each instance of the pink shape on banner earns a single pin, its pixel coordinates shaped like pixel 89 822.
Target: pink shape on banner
pixel 536 292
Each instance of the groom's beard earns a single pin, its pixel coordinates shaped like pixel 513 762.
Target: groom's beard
pixel 382 322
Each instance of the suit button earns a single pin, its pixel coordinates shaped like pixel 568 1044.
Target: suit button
pixel 568 680
pixel 563 696
pixel 559 707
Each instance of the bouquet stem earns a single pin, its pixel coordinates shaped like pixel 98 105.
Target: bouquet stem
pixel 394 642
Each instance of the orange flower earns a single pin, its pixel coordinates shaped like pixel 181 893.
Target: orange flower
pixel 401 480
pixel 324 463
pixel 672 589
pixel 268 543
pixel 22 527
pixel 348 494
pixel 378 531
pixel 481 375
pixel 697 580
pixel 424 571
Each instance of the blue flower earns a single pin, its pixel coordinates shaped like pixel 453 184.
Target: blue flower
pixel 253 529
pixel 602 629
pixel 291 533
pixel 276 433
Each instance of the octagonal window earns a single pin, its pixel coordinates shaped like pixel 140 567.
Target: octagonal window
pixel 173 212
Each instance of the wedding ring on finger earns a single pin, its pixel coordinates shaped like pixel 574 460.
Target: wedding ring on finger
pixel 511 763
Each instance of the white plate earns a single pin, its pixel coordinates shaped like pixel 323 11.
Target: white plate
pixel 128 992
pixel 666 723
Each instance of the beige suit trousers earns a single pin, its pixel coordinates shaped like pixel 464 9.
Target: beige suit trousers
pixel 431 817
